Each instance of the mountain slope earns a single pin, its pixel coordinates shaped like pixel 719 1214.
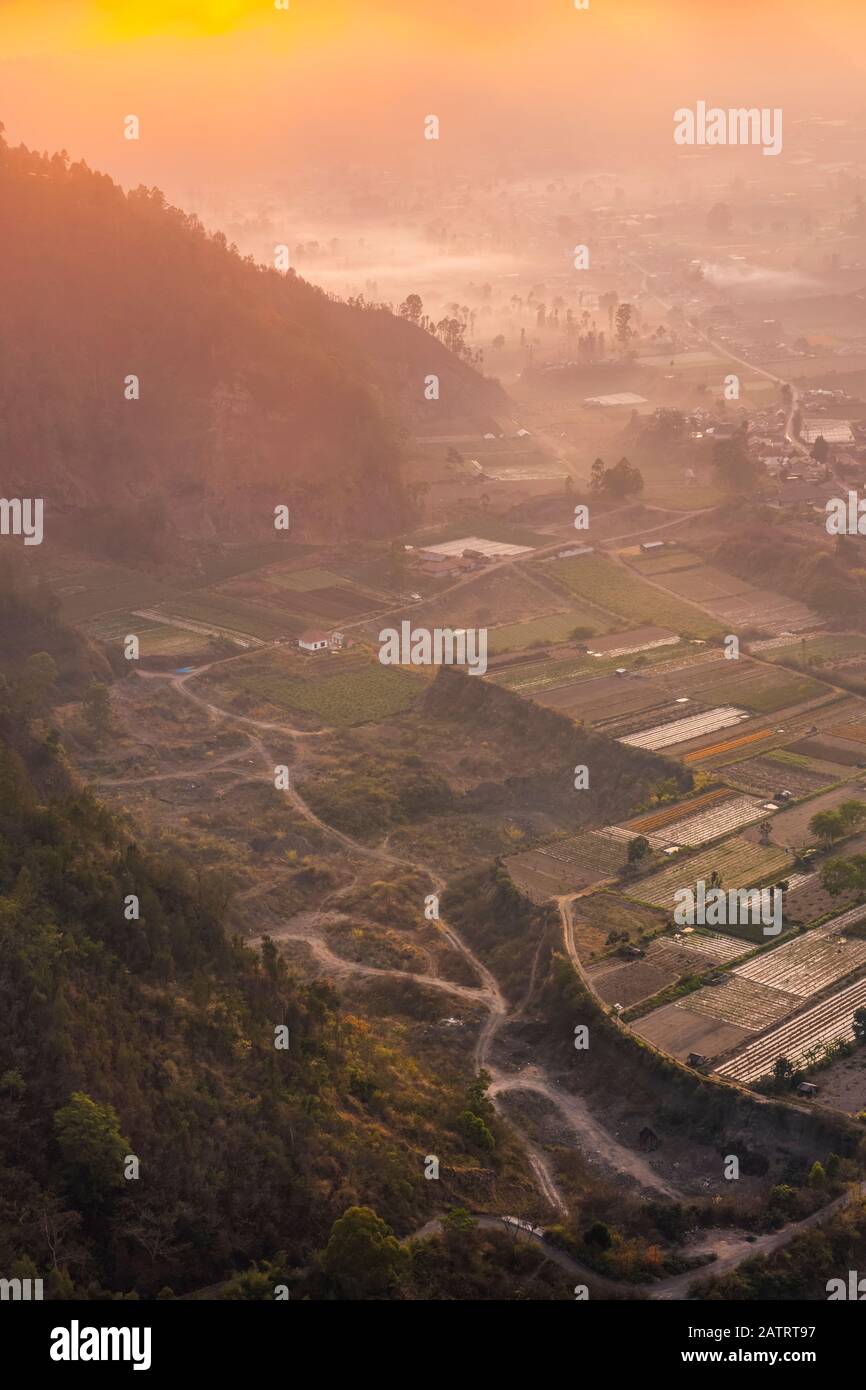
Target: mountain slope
pixel 255 387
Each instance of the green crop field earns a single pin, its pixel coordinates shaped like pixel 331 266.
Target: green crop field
pixel 166 640
pixel 302 581
pixel 156 639
pixel 788 759
pixel 538 675
pixel 832 647
pixel 110 627
pixel 244 559
pixel 558 627
pixel 677 498
pixel 107 590
pixel 664 561
pixel 221 611
pixel 601 581
pixel 702 584
pixel 741 864
pixel 365 693
pixel 764 691
pixel 529 677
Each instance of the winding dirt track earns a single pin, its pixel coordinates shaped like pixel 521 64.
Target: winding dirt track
pixel 675 1286
pixel 591 1137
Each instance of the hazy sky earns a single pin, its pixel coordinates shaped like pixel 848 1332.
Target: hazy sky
pixel 234 90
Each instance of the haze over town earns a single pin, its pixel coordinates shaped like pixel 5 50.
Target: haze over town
pixel 432 650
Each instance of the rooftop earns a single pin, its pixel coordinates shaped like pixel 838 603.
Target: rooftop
pixel 454 549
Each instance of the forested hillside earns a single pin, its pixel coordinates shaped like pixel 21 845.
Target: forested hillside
pixel 154 1039
pixel 255 387
pixel 804 567
pixel 43 659
pixel 549 740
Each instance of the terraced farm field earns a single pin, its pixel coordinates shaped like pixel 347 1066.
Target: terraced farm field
pixel 729 745
pixel 809 963
pixel 156 639
pixel 702 583
pixel 558 627
pixel 661 562
pixel 245 559
pixel 234 615
pixel 89 590
pixel 667 815
pixel 622 726
pixel 329 607
pixel 702 673
pixel 490 598
pixel 707 943
pixel 830 647
pixel 529 677
pixel 167 640
pixel 745 1002
pixel 854 731
pixel 683 730
pixel 763 691
pixel 613 587
pixel 625 836
pixel 681 1030
pixel 302 580
pixel 538 672
pixel 593 850
pixel 598 914
pixel 763 609
pixel 667 960
pixel 668 951
pixel 567 865
pixel 825 750
pixel 766 775
pixel 799 733
pixel 628 983
pixel 715 821
pixel 825 1022
pixel 791 825
pixel 113 627
pixel 806 900
pixel 844 710
pixel 364 692
pixel 740 863
pixel 683 663
pixel 638 639
pixel 603 698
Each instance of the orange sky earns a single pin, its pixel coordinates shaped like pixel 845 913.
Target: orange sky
pixel 236 88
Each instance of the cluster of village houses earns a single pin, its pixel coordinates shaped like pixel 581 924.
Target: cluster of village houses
pixel 799 478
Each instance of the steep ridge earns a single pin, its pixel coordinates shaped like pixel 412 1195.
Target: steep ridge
pixel 255 388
